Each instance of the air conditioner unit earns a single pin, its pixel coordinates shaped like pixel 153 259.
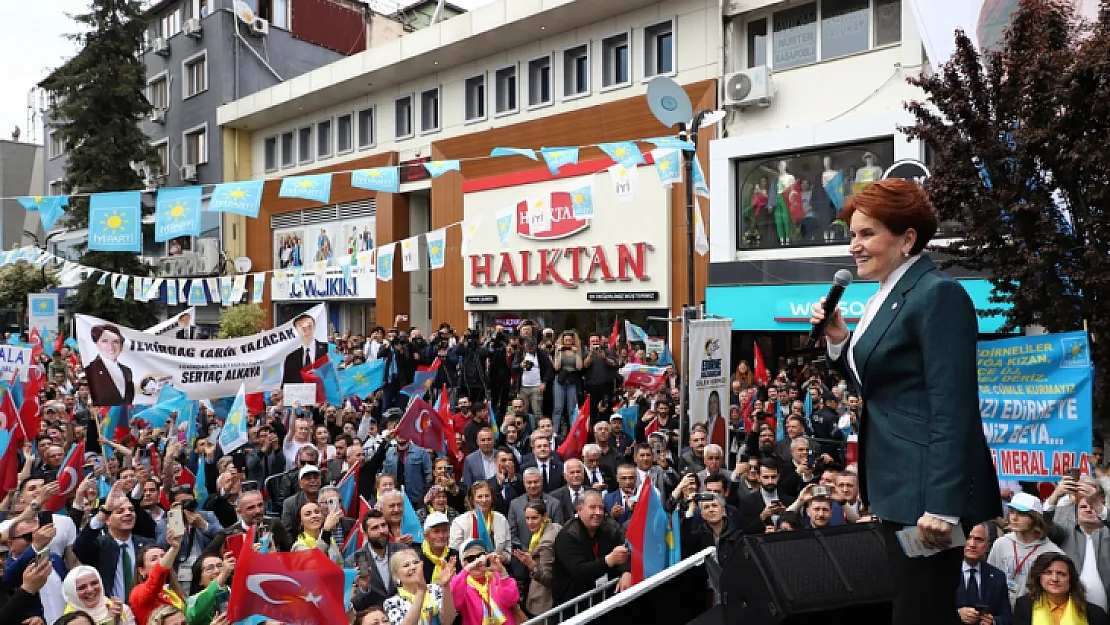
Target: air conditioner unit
pixel 192 28
pixel 167 266
pixel 751 87
pixel 158 116
pixel 189 173
pixel 208 255
pixel 260 27
pixel 161 46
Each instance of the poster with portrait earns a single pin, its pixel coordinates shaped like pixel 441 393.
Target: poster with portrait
pixel 356 236
pixel 181 325
pixel 128 366
pixel 289 248
pixel 708 370
pixel 322 243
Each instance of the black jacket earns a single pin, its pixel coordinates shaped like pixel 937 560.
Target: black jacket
pixel 698 536
pixel 406 365
pixel 1023 613
pixel 752 506
pixel 100 551
pixel 576 567
pixel 471 364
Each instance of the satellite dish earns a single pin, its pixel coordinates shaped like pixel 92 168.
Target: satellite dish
pixel 242 264
pixel 668 102
pixel 244 12
pixel 738 87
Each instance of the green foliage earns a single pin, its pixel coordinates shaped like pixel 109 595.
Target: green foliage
pixel 22 278
pixel 242 320
pixel 100 96
pixel 1021 157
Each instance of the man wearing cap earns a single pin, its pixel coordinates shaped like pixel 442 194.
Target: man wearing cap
pixel 620 440
pixel 310 480
pixel 1015 552
pixel 435 551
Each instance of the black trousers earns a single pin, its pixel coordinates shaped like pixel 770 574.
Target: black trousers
pixel 924 588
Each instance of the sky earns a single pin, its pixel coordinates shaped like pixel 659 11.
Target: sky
pixel 33 43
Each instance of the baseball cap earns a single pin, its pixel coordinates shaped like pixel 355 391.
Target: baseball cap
pixel 308 469
pixel 1024 502
pixel 434 519
pixel 616 416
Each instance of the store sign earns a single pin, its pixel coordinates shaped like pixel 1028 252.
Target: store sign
pixel 789 307
pixel 552 260
pixel 332 285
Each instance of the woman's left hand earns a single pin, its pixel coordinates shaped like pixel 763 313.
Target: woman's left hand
pixel 935 532
pixel 447 573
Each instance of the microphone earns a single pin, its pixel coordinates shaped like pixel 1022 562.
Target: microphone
pixel 840 282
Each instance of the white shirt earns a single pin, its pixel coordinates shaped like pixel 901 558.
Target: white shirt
pixel 382 564
pixel 489 464
pixel 530 378
pixel 291 448
pixel 874 305
pixel 116 374
pixel 1092 581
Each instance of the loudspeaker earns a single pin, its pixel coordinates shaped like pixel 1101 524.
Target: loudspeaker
pixel 823 576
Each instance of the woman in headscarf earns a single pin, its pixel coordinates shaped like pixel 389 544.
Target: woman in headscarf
pixel 435 500
pixel 84 591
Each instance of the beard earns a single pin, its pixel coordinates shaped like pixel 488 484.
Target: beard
pixel 380 543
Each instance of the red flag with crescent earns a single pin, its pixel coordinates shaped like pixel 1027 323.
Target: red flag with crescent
pixel 69 476
pixel 421 425
pixel 11 441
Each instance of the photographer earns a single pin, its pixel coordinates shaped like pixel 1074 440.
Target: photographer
pixel 599 376
pixel 447 374
pixel 534 372
pixel 471 362
pixel 568 376
pixel 400 369
pixel 500 373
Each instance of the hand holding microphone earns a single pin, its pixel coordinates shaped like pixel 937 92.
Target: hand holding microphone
pixel 830 323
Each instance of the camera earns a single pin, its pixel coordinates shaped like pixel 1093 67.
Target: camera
pixel 526 365
pixel 821 491
pixel 700 497
pixel 189 504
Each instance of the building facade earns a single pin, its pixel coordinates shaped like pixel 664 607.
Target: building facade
pixel 520 74
pixel 816 93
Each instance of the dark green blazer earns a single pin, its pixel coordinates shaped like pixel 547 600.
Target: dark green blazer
pixel 921 443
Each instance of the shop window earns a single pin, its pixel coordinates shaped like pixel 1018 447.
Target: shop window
pixel 795 199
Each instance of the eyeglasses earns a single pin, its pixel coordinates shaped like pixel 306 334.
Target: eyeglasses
pixel 332 502
pixel 212 568
pixel 28 537
pixel 473 557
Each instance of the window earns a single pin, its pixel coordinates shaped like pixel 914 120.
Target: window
pixel 195 8
pixel 823 178
pixel 475 94
pixel 196 146
pixel 287 152
pixel 429 110
pixel 162 149
pixel 845 27
pixel 270 149
pixel 402 117
pixel 794 41
pixel 323 139
pixel 576 71
pixel 888 22
pixel 158 92
pixel 366 128
pixel 506 90
pixel 56 187
pixel 344 134
pixel 539 81
pixel 169 24
pixel 57 144
pixel 659 49
pixel 757 43
pixel 304 145
pixel 615 70
pixel 196 74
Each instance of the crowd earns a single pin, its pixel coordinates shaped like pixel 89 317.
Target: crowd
pixel 510 528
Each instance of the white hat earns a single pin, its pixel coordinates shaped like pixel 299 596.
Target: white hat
pixel 1024 502
pixel 306 470
pixel 434 519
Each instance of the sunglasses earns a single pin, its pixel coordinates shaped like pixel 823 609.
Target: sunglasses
pixel 473 557
pixel 28 537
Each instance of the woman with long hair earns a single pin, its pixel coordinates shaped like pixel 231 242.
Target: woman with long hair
pixel 84 592
pixel 209 590
pixel 744 375
pixel 1056 596
pixel 313 530
pixel 466 526
pixel 436 605
pixel 156 580
pixel 443 475
pixel 568 376
pixel 539 558
pixel 715 424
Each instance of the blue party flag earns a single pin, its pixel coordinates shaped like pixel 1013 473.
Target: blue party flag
pixel 329 378
pixel 630 417
pixel 671 143
pixel 626 153
pixel 582 201
pixel 410 523
pixel 241 198
pixel 482 530
pixel 234 433
pixel 115 423
pixel 271 375
pixel 665 358
pixel 200 488
pixel 348 493
pixel 315 187
pixel 384 179
pixel 649 534
pixel 437 243
pixel 49 207
pixel 115 222
pixel 668 165
pixel 362 380
pixel 674 539
pixel 384 262
pixel 701 188
pixel 525 152
pixel 438 168
pixel 835 190
pixel 556 158
pixel 177 213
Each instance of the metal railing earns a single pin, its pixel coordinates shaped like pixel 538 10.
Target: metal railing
pixel 586 607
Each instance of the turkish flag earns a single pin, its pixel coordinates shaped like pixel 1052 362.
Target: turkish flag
pixel 579 432
pixel 443 409
pixel 61 342
pixel 422 425
pixel 303 587
pixel 11 441
pixel 645 379
pixel 256 403
pixel 614 335
pixel 36 343
pixel 69 476
pixel 29 411
pixel 762 376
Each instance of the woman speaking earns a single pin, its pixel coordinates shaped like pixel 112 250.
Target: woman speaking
pixel 923 458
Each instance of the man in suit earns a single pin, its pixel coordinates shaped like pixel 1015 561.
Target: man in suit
pixel 618 504
pixel 551 468
pixel 505 485
pixel 108 545
pixel 481 464
pixel 376 583
pixel 597 476
pixel 758 510
pixel 110 383
pixel 1082 533
pixel 981 583
pixel 309 351
pixel 795 427
pixel 188 330
pixel 533 491
pixel 575 473
pixel 251 509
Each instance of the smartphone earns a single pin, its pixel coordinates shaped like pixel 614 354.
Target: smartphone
pixel 87 470
pixel 46 518
pixel 821 491
pixel 249 486
pixel 1074 474
pixel 811 458
pixel 335 508
pixel 176 520
pixel 517 546
pixel 42 556
pixel 449 471
pixel 983 609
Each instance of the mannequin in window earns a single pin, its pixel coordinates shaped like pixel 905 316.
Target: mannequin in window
pixel 787 202
pixel 811 225
pixel 870 172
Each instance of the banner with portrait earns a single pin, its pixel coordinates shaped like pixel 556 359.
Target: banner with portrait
pixel 128 366
pixel 179 326
pixel 708 369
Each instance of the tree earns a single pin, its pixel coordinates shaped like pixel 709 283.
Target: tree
pixel 242 320
pixel 22 278
pixel 100 99
pixel 1021 161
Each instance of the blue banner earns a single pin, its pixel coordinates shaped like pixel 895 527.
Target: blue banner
pixel 1035 401
pixel 241 198
pixel 384 179
pixel 115 222
pixel 177 213
pixel 316 187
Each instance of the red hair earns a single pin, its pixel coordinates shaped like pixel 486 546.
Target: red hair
pixel 899 205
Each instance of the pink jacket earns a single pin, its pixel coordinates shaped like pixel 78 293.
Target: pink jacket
pixel 503 592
